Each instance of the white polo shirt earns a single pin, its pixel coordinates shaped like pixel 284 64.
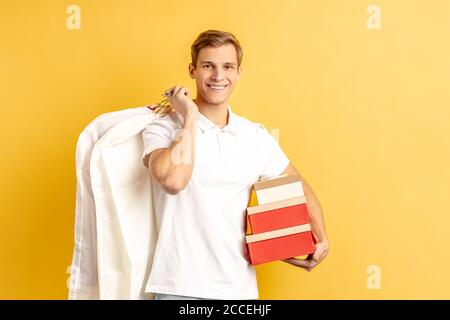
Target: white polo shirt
pixel 201 248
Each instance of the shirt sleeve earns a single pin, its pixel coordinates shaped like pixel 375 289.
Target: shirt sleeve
pixel 274 160
pixel 159 134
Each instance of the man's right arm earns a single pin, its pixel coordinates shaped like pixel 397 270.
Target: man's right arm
pixel 172 167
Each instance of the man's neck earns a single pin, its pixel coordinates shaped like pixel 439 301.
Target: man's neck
pixel 216 113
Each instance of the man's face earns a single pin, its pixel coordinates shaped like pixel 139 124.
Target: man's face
pixel 216 73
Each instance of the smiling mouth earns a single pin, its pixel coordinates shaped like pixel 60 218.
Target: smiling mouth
pixel 216 87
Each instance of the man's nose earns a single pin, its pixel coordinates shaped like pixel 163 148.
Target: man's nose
pixel 218 74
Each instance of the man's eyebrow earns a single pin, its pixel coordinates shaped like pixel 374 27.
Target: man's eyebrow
pixel 210 62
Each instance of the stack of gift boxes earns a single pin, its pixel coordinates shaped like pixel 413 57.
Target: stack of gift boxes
pixel 278 226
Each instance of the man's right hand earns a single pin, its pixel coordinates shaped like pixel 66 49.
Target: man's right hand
pixel 172 167
pixel 181 101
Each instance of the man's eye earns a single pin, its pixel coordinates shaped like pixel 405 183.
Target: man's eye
pixel 229 67
pixel 206 66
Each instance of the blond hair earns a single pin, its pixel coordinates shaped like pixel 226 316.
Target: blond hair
pixel 214 38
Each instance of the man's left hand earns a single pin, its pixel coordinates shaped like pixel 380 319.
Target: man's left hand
pixel 320 252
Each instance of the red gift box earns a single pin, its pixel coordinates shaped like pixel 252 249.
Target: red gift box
pixel 278 215
pixel 280 244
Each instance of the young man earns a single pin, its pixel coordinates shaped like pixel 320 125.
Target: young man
pixel 203 160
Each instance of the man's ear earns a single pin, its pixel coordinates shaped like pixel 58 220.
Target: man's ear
pixel 191 70
pixel 239 72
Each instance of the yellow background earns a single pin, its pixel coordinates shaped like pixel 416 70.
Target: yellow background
pixel 363 114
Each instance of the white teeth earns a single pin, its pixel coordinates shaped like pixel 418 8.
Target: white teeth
pixel 216 87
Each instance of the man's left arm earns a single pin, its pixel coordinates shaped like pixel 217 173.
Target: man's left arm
pixel 317 226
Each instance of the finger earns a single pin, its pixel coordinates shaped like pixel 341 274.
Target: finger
pixel 321 253
pixel 186 91
pixel 317 254
pixel 169 92
pixel 299 263
pixel 176 91
pixel 307 263
pixel 313 264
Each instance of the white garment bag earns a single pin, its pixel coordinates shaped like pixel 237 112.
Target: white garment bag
pixel 115 228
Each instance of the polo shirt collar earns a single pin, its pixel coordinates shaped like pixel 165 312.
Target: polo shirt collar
pixel 205 124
